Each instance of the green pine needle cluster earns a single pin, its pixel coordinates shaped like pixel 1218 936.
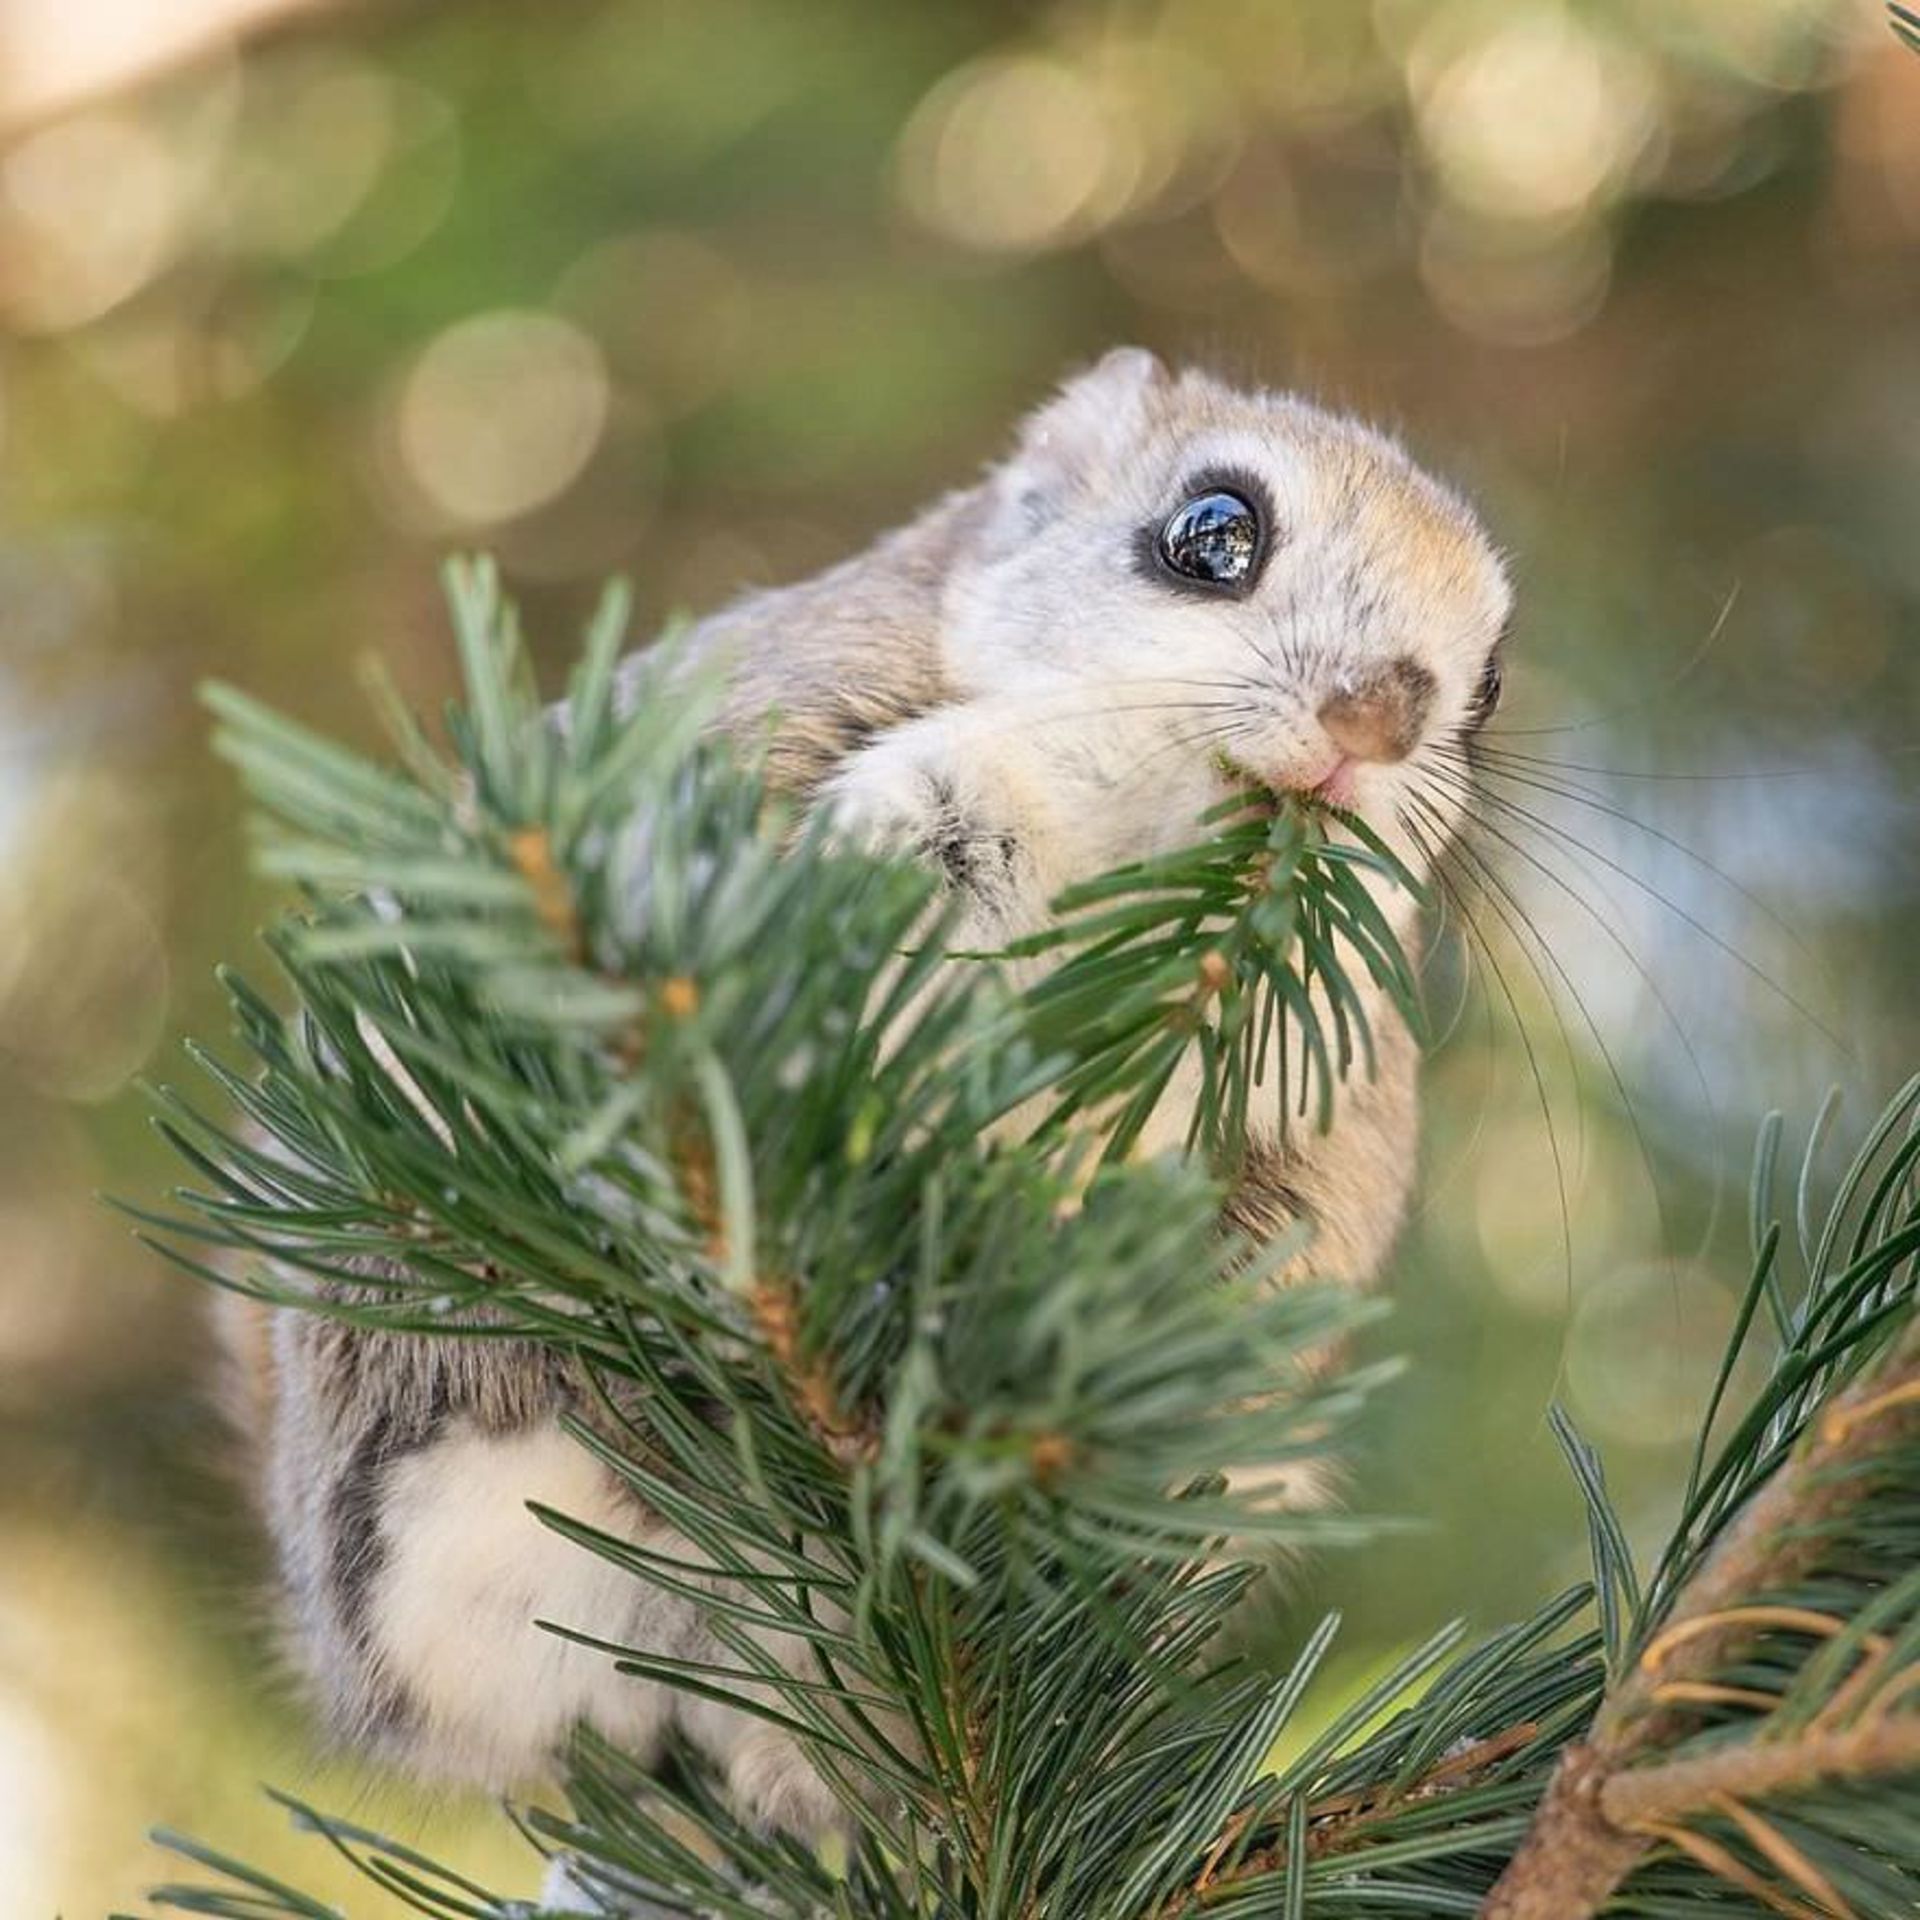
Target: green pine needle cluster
pixel 595 1041
pixel 1283 921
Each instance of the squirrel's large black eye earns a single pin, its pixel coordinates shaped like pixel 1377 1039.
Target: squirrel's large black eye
pixel 1486 695
pixel 1214 539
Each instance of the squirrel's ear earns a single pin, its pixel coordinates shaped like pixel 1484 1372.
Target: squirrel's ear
pixel 1080 437
pixel 1096 413
pixel 1123 370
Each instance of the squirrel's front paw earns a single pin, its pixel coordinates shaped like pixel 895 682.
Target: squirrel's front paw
pixel 916 792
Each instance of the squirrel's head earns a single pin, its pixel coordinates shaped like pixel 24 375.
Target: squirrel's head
pixel 1303 604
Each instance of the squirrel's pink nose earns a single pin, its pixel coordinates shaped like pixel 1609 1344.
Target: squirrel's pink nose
pixel 1380 719
pixel 1365 729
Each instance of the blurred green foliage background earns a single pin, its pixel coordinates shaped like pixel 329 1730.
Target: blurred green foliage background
pixel 712 293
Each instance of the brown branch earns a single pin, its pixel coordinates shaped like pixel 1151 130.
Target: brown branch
pixel 1757 1769
pixel 1603 1810
pixel 1573 1856
pixel 775 1306
pixel 1362 1801
pixel 776 1312
pixel 531 851
pixel 774 1302
pixel 1341 1821
pixel 700 1185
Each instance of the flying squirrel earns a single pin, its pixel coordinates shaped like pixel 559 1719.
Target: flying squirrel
pixel 1171 589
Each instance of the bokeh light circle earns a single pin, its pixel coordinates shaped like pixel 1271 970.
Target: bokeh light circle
pixel 1014 154
pixel 1539 119
pixel 500 413
pixel 90 210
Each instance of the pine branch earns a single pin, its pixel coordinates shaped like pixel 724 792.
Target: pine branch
pixel 1607 1807
pixel 596 1048
pixel 1262 931
pixel 1757 1735
pixel 1646 1799
pixel 1778 1648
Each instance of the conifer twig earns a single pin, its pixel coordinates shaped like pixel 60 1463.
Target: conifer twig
pixel 1606 1807
pixel 1881 1745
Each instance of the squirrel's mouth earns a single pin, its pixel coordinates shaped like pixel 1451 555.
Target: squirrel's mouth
pixel 1327 785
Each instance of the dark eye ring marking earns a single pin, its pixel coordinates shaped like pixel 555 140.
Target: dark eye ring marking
pixel 1215 542
pixel 1486 694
